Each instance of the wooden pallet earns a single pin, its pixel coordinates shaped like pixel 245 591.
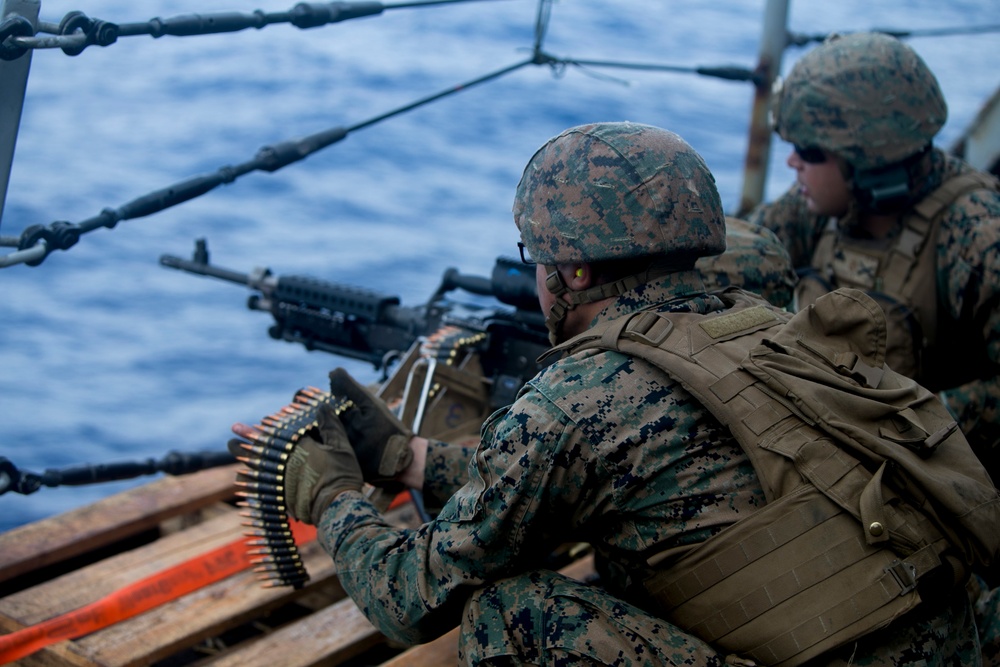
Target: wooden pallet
pixel 63 563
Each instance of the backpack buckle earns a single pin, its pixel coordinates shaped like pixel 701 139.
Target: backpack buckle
pixel 905 575
pixel 853 366
pixel 649 328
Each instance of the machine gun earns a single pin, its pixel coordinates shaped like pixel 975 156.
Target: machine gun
pixel 364 324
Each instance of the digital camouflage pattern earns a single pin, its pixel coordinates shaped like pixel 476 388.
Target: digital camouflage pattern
pixel 866 97
pixel 755 259
pixel 986 603
pixel 634 467
pixel 548 619
pixel 598 448
pixel 615 190
pixel 968 294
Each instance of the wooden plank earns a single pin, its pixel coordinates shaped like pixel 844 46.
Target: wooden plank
pixel 331 634
pixel 328 637
pixel 187 621
pixel 81 587
pixel 56 656
pixel 78 531
pixel 166 629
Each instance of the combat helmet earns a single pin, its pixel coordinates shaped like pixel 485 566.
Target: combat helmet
pixel 611 191
pixel 866 97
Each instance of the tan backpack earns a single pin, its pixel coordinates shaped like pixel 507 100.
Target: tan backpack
pixel 874 496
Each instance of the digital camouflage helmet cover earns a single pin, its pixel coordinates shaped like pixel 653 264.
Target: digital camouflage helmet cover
pixel 616 190
pixel 611 191
pixel 866 97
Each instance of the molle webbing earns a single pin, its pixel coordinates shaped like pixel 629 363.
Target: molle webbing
pixel 920 225
pixel 791 582
pixel 835 553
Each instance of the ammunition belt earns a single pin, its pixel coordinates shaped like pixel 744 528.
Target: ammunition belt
pixel 262 486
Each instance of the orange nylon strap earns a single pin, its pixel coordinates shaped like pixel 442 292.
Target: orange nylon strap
pixel 138 597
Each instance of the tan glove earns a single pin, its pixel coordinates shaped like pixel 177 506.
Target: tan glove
pixel 321 465
pixel 379 439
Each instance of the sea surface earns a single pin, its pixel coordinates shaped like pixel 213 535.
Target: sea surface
pixel 105 356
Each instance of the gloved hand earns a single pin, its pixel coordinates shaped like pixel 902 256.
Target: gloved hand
pixel 379 439
pixel 322 464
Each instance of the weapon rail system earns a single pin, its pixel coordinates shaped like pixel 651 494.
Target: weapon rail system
pixel 367 325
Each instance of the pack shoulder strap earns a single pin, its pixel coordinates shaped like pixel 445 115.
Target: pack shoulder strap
pixel 920 225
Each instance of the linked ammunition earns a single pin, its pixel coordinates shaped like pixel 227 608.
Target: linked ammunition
pixel 270 517
pixel 265 489
pixel 277 553
pixel 261 485
pixel 269 558
pixel 297 582
pixel 276 525
pixel 273 550
pixel 263 477
pixel 280 536
pixel 257 504
pixel 283 569
pixel 262 464
pixel 259 452
pixel 264 512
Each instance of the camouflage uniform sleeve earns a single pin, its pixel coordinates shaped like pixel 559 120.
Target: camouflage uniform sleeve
pixel 969 279
pixel 446 470
pixel 789 218
pixel 413 583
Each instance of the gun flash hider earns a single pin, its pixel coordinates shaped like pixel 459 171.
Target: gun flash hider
pixel 262 486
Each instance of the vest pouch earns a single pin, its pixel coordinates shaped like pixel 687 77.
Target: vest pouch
pixel 831 588
pixel 904 343
pixel 874 415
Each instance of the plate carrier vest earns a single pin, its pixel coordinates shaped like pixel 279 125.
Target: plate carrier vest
pixel 872 490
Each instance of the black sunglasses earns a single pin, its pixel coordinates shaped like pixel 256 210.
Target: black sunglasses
pixel 811 154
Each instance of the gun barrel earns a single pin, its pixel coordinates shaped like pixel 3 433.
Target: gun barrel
pixel 512 283
pixel 472 284
pixel 204 269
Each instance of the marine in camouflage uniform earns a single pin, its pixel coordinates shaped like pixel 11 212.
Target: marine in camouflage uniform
pixel 870 105
pixel 599 447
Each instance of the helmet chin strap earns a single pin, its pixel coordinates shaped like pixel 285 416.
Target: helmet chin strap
pixel 556 285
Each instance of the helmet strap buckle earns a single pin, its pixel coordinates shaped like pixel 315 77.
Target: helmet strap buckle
pixel 890 188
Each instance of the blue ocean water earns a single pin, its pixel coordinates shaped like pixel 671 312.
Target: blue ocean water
pixel 106 356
